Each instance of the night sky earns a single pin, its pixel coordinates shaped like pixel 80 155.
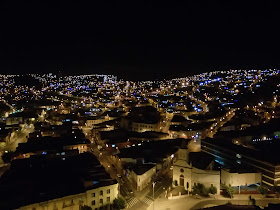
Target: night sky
pixel 138 41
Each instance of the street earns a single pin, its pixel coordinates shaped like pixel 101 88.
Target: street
pixel 19 138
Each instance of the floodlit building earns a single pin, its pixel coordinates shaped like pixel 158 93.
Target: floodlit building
pixel 269 167
pixel 69 182
pixel 192 168
pixel 239 177
pixel 95 198
pixel 141 175
pixel 143 127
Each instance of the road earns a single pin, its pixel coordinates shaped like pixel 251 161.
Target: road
pixel 136 200
pixel 146 197
pixel 19 138
pixel 220 122
pixel 165 123
pixel 104 157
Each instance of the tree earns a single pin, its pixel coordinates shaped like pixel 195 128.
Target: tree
pixel 200 189
pixel 85 207
pixel 252 200
pixel 213 190
pixel 276 190
pixel 262 190
pixel 119 203
pixel 230 191
pixel 8 156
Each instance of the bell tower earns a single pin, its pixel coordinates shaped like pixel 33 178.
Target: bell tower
pixel 183 152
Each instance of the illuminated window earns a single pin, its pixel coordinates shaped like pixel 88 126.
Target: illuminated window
pixel 101 192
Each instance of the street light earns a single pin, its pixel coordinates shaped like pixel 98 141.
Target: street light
pixel 154 195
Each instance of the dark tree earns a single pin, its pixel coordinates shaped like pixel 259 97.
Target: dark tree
pixel 200 189
pixel 85 207
pixel 262 190
pixel 8 156
pixel 213 190
pixel 119 203
pixel 230 191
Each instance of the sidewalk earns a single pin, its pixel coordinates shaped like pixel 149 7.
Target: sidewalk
pixel 191 202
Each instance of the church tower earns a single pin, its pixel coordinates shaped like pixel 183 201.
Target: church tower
pixel 183 152
pixel 182 169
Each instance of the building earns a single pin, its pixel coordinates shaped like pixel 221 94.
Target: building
pixel 58 182
pixel 268 165
pixel 93 120
pixel 44 145
pixel 95 198
pixel 240 177
pixel 141 175
pixel 143 127
pixel 192 168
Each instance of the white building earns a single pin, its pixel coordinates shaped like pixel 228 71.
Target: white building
pixel 239 177
pixel 95 198
pixel 93 120
pixel 141 175
pixel 143 127
pixel 194 167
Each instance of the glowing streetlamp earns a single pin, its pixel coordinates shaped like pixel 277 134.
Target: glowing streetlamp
pixel 154 195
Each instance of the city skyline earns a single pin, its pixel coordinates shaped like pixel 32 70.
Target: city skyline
pixel 99 141
pixel 139 105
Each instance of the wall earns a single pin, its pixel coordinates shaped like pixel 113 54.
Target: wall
pixel 237 179
pixel 143 180
pixel 114 191
pixel 206 177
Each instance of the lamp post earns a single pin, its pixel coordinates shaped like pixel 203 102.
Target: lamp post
pixel 154 195
pixel 238 191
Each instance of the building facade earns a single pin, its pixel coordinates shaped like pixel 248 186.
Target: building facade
pixel 95 198
pixel 186 175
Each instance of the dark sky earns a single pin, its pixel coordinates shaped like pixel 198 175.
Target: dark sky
pixel 143 40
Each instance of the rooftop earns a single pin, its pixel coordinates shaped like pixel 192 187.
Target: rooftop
pixel 141 169
pixel 22 184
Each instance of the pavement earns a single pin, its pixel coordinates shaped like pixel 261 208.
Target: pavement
pixel 192 202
